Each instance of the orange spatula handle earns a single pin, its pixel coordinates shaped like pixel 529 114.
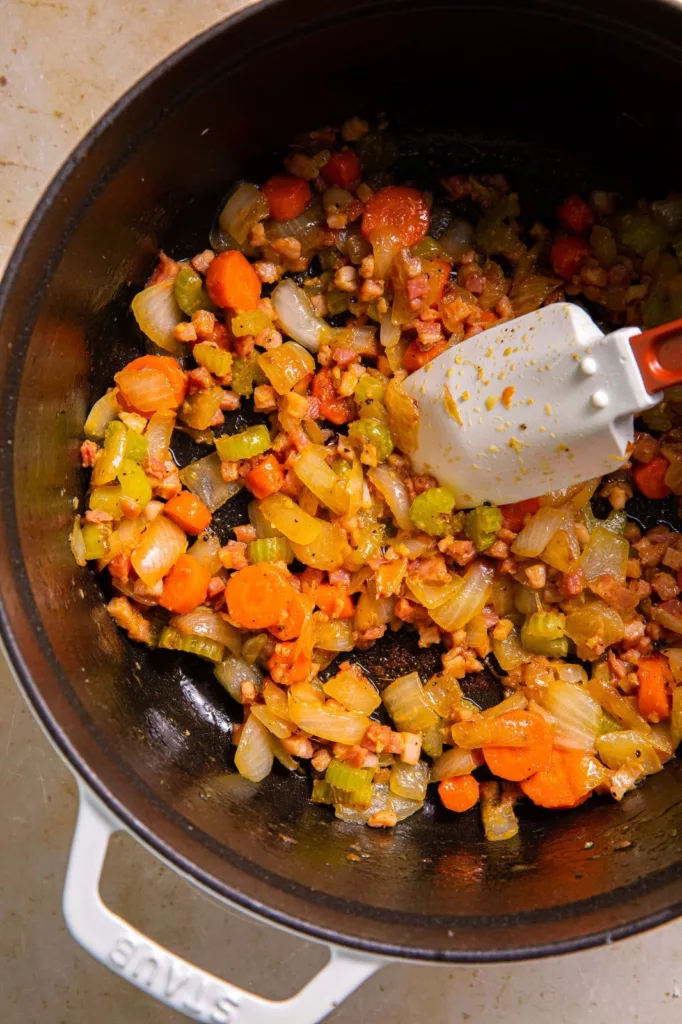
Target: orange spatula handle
pixel 659 356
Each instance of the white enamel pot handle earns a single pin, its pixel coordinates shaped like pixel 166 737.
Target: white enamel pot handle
pixel 167 977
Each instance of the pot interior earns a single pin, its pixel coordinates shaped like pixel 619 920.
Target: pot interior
pixel 561 98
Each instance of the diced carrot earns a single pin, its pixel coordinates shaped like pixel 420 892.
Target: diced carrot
pixel 257 596
pixel 583 771
pixel 401 210
pixel 575 215
pixel 415 356
pixel 332 406
pixel 287 196
pixel 189 512
pixel 185 586
pixel 460 793
pixel 290 624
pixel 650 477
pixel 519 762
pixel 334 601
pixel 232 282
pixel 292 662
pixel 151 383
pixel 653 697
pixel 568 255
pixel 343 169
pixel 266 478
pixel 438 273
pixel 550 786
pixel 515 513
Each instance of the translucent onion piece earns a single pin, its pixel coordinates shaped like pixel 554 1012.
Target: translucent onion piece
pixel 538 532
pixel 503 596
pixel 260 524
pixel 666 616
pixel 403 416
pixel 458 238
pixel 578 716
pixel 205 550
pixel 244 208
pixel 410 780
pixel 286 365
pixel 289 519
pixel 469 600
pixel 453 762
pixel 101 415
pixel 389 333
pixel 312 470
pixel 277 726
pixel 414 547
pixel 510 652
pixel 593 628
pixel 408 705
pixel 393 490
pixel 432 742
pixel 382 800
pixel 432 595
pixel 158 314
pixel 352 689
pixel 77 543
pixel 297 316
pixel 606 552
pixel 385 245
pixel 306 228
pixel 328 723
pixel 335 636
pixel 253 758
pixel 563 551
pixel 623 709
pixel 327 552
pixel 497 813
pixel 204 479
pixel 206 622
pixel 371 610
pixel 570 673
pixel 158 433
pixel 444 694
pixel 233 671
pixel 161 545
pixel 517 701
pixel 355 486
pixel 617 748
pixel 674 656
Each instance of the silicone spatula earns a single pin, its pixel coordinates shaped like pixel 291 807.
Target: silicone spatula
pixel 538 403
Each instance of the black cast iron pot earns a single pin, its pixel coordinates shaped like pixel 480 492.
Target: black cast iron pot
pixel 563 97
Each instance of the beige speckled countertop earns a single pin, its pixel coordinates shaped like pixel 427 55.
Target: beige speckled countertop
pixel 62 63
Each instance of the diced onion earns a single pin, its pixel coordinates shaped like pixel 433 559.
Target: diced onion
pixel 327 552
pixel 668 614
pixel 306 228
pixel 385 245
pixel 277 726
pixel 403 415
pixel 623 709
pixel 606 552
pixel 570 673
pixel 517 701
pixel 432 595
pixel 286 365
pixel 510 652
pixel 458 238
pixel 674 656
pixel 296 315
pixel 371 610
pixel 393 490
pixel 161 545
pixel 538 532
pixel 289 520
pixel 334 636
pixel 469 600
pixel 100 416
pixel 243 209
pixel 577 715
pixel 497 813
pixel 158 433
pixel 455 761
pixel 312 469
pixel 409 780
pixel 78 543
pixel 206 552
pixel 563 551
pixel 233 671
pixel 260 524
pixel 206 622
pixel 389 333
pixel 382 800
pixel 158 314
pixel 594 620
pixel 617 748
pixel 408 705
pixel 253 758
pixel 204 479
pixel 352 689
pixel 329 723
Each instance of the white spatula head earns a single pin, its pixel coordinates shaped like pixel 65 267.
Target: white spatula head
pixel 534 405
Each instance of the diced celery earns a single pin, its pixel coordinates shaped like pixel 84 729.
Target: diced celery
pixel 253 321
pixel 96 540
pixel 107 499
pixel 428 249
pixel 543 633
pixel 322 792
pixel 136 446
pixel 250 442
pixel 173 640
pixel 608 724
pixel 374 432
pixel 216 360
pixel 341 467
pixel 431 510
pixel 200 408
pixel 369 398
pixel 112 455
pixel 247 374
pixel 189 291
pixel 481 526
pixel 495 233
pixel 135 483
pixel 352 786
pixel 337 302
pixel 269 549
pixel 639 232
